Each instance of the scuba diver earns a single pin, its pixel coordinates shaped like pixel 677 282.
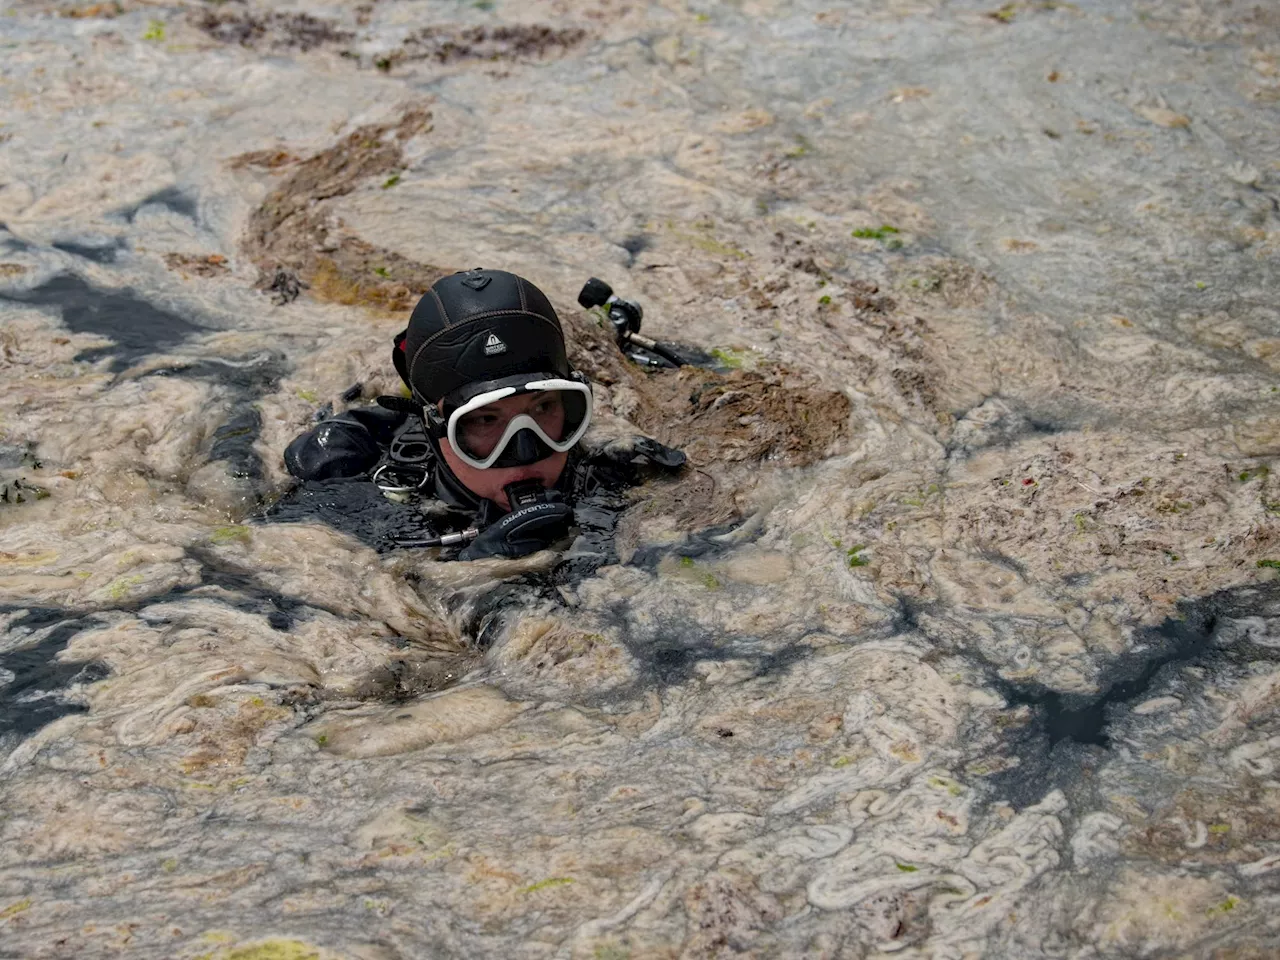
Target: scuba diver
pixel 488 443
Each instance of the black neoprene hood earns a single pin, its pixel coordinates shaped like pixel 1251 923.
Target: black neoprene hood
pixel 478 326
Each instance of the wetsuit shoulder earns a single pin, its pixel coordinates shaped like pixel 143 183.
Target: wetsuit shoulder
pixel 346 445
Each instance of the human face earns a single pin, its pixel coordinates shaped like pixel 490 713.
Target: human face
pixel 478 432
pixel 479 428
pixel 486 426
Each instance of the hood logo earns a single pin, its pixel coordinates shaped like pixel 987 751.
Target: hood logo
pixel 475 280
pixel 493 346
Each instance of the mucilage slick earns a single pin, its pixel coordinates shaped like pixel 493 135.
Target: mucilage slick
pixel 489 441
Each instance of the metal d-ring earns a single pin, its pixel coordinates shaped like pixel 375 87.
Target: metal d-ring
pixel 399 488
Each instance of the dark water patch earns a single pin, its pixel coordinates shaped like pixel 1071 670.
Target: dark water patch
pixel 33 682
pixel 12 243
pixel 667 648
pixel 635 244
pixel 138 328
pixel 780 661
pixel 1083 719
pixel 1064 767
pixel 1013 425
pixel 242 381
pixel 243 589
pixel 354 506
pixel 233 443
pixel 246 377
pixel 1066 730
pixel 485 616
pixel 98 253
pixel 401 680
pixel 709 544
pixel 172 199
pixel 906 615
pixel 16 456
pixel 998 559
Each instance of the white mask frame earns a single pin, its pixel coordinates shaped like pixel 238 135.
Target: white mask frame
pixel 519 422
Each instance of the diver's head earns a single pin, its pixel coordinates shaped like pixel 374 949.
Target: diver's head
pixel 484 355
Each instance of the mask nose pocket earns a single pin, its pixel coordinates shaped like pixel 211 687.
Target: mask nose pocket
pixel 524 448
pixel 525 444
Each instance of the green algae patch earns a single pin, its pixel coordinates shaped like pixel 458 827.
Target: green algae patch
pixel 119 589
pixel 233 534
pixel 308 395
pixel 854 555
pixel 1272 564
pixel 713 246
pixel 802 147
pixel 1226 906
pixel 881 233
pixel 267 950
pixel 22 906
pixel 947 784
pixel 730 359
pixel 906 867
pixel 688 570
pixel 547 884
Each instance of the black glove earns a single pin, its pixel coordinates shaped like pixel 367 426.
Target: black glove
pixel 660 454
pixel 626 450
pixel 522 531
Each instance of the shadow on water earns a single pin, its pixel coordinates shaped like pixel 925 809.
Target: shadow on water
pixel 1068 732
pixel 172 199
pixel 33 682
pixel 102 253
pixel 240 588
pixel 242 381
pixel 11 242
pixel 138 328
pixel 708 544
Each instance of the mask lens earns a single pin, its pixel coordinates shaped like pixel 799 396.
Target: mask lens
pixel 557 414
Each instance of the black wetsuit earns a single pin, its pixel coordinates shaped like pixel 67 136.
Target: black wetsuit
pixel 367 442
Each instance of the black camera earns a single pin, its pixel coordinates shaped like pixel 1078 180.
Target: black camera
pixel 625 315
